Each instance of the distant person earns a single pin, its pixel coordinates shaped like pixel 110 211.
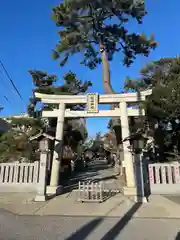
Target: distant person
pixel 113 159
pixel 122 167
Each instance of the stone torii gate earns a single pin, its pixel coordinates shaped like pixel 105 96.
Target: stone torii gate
pixel 92 100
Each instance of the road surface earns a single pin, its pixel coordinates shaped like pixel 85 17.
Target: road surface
pixel 14 227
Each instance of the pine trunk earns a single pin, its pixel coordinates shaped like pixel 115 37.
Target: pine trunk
pixel 109 90
pixel 106 72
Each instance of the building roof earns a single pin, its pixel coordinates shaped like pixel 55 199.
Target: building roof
pixel 42 134
pixel 25 115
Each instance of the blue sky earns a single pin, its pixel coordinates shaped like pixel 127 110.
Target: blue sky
pixel 28 35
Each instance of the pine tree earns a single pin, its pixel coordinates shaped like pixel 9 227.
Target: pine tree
pixel 97 29
pixel 96 26
pixel 15 144
pixel 45 83
pixel 163 76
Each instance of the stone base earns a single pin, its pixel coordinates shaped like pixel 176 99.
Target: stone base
pixel 130 191
pixel 54 190
pixel 139 199
pixel 40 198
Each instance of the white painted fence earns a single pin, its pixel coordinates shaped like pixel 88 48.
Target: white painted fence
pixel 19 177
pixel 164 178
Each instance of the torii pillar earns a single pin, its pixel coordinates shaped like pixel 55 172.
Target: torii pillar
pixel 130 188
pixel 57 155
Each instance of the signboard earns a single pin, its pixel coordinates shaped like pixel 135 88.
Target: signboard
pixel 92 103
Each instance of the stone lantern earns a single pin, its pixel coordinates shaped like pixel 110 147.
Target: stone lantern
pixel 43 144
pixel 137 145
pixel 43 139
pixel 137 142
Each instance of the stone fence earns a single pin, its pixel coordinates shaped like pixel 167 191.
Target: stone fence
pixel 164 178
pixel 19 177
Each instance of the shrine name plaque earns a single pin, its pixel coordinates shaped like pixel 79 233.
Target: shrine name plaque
pixel 92 102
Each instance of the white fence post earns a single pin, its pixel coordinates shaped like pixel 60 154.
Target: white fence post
pixel 2 169
pixel 11 174
pixel 41 190
pixel 169 173
pixel 177 174
pixel 36 172
pixel 16 172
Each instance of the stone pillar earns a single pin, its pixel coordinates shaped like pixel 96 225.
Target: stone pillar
pixel 128 157
pixel 41 189
pixel 55 171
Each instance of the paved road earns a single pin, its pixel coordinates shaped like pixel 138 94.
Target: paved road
pixel 99 170
pixel 78 228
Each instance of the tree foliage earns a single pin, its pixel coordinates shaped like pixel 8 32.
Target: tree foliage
pixel 29 126
pixel 45 83
pixel 74 129
pixel 162 107
pixel 110 142
pixel 163 76
pixel 15 144
pixel 98 136
pixel 88 143
pixel 91 26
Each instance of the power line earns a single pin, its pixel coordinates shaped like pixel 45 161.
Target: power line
pixel 2 79
pixel 6 85
pixel 14 86
pixel 7 99
pixel 2 93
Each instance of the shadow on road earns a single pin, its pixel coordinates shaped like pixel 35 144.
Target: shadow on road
pixel 177 236
pixel 115 231
pixel 83 232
